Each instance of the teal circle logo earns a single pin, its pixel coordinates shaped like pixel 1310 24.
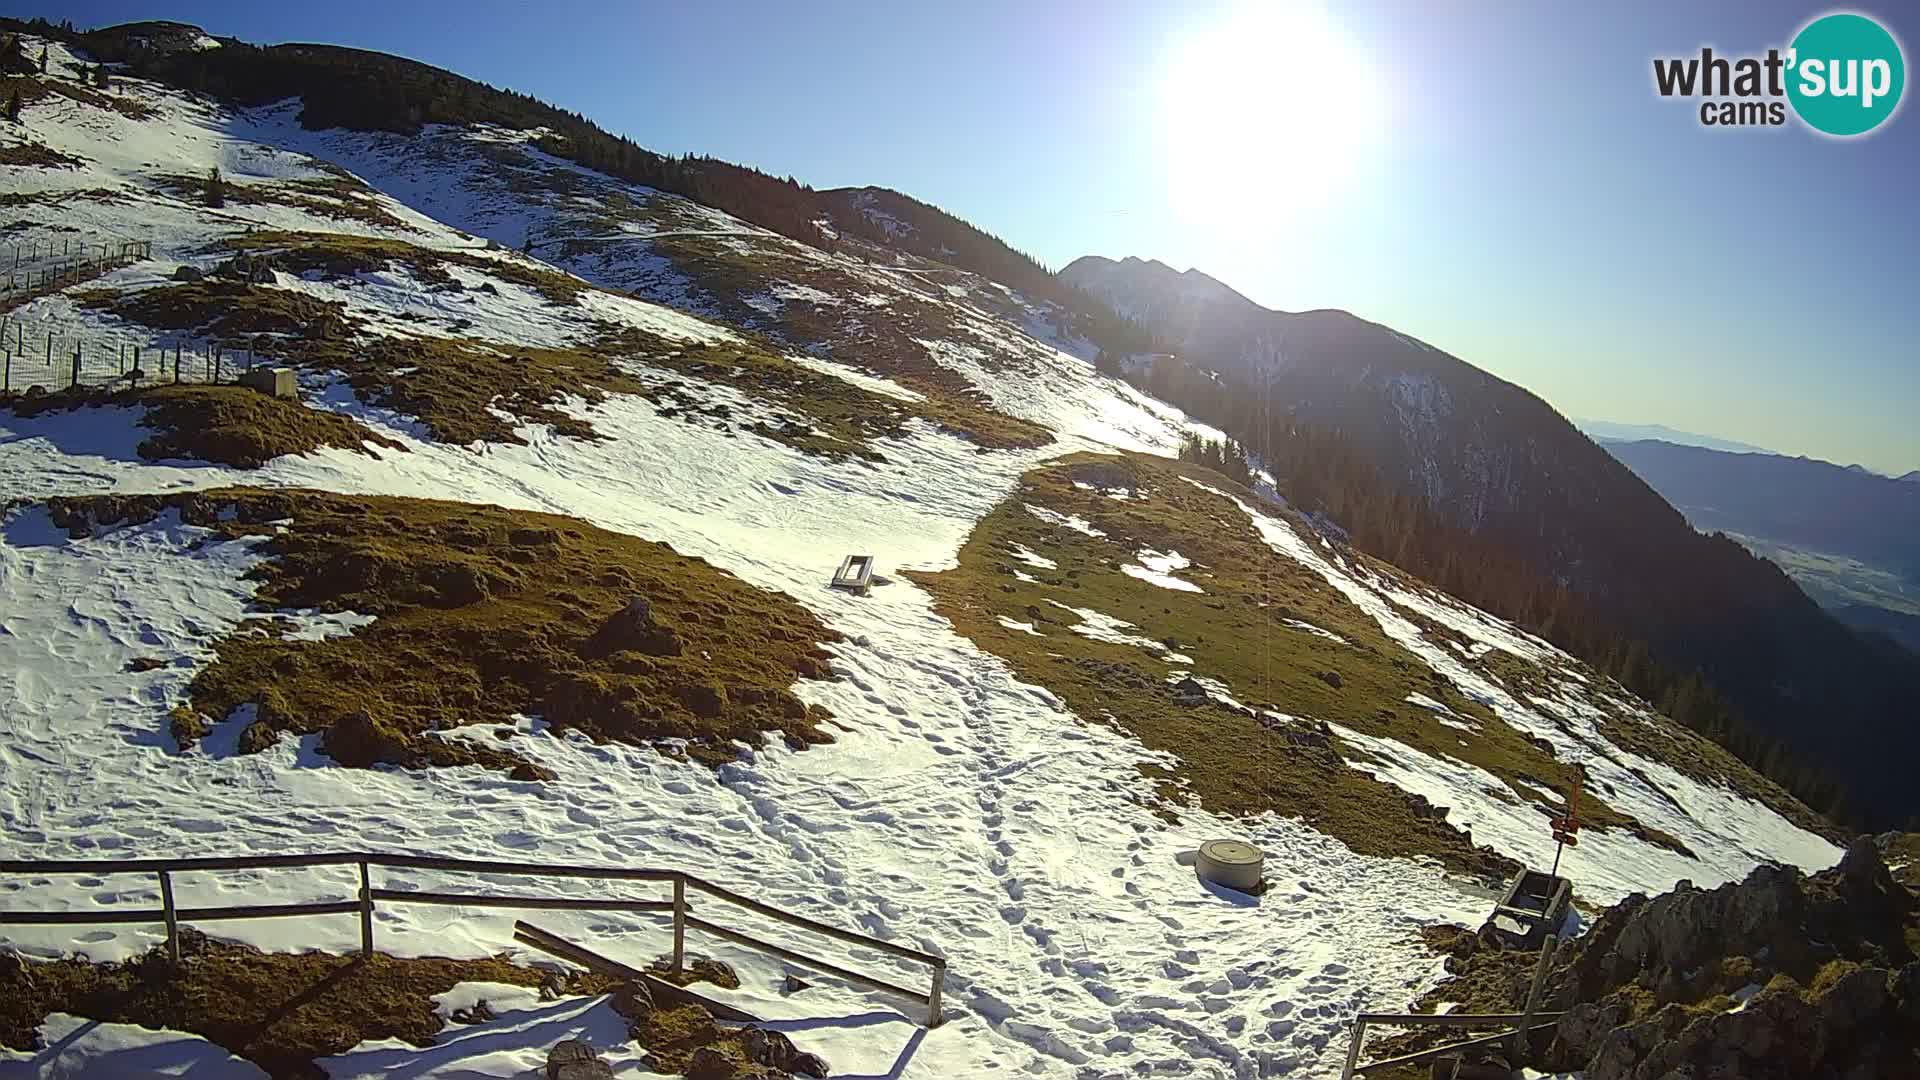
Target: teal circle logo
pixel 1845 74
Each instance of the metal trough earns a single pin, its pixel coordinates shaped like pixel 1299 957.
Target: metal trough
pixel 856 574
pixel 1533 906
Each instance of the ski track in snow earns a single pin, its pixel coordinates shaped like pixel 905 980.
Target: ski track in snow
pixel 960 811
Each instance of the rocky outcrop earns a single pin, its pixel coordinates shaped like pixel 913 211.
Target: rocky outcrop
pixel 574 1059
pixel 1781 975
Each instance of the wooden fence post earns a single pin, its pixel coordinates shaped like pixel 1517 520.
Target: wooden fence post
pixel 1524 1034
pixel 1353 1048
pixel 366 912
pixel 679 924
pixel 933 997
pixel 172 917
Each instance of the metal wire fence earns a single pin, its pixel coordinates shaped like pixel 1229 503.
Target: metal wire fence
pixel 56 355
pixel 35 265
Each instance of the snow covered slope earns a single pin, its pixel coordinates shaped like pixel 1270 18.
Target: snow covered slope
pixel 961 810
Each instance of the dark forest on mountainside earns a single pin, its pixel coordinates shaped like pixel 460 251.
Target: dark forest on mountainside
pixel 1660 642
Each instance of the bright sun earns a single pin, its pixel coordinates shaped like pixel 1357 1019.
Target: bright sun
pixel 1265 112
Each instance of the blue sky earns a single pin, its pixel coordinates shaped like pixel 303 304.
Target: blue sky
pixel 1505 185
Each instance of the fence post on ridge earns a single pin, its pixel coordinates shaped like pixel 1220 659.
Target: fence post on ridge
pixel 679 924
pixel 172 917
pixel 366 912
pixel 1522 1036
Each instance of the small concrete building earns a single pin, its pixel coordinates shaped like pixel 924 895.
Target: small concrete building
pixel 272 381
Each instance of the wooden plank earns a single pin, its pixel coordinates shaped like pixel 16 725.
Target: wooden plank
pixel 268 911
pixel 822 966
pixel 1442 1051
pixel 542 903
pixel 521 869
pixel 1450 1019
pixel 805 923
pixel 154 866
pixel 159 915
pixel 81 918
pixel 1515 1056
pixel 663 991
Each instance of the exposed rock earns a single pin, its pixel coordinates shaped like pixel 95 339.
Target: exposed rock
pixel 1331 678
pixel 1189 692
pixel 258 736
pixel 1825 965
pixel 189 273
pixel 709 1064
pixel 793 984
pixel 573 1059
pixel 633 1001
pixel 480 1013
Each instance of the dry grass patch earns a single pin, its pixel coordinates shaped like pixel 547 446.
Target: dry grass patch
pixel 466 390
pixel 230 311
pixel 35 88
pixel 230 425
pixel 278 1010
pixel 880 341
pixel 32 155
pixel 14 200
pixel 1237 631
pixel 337 255
pixel 330 197
pixel 244 428
pixel 485 614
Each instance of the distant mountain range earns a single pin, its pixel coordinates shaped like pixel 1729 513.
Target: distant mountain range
pixel 1849 536
pixel 1609 431
pixel 1791 500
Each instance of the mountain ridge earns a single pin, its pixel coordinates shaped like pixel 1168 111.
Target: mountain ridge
pixel 1612 431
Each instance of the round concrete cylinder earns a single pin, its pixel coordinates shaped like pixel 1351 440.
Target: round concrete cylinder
pixel 1231 863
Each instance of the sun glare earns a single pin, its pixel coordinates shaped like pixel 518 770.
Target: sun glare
pixel 1265 113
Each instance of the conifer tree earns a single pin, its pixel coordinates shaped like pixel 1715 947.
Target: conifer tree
pixel 13 107
pixel 216 189
pixel 43 61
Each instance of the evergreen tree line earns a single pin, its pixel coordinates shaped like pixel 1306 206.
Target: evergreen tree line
pixel 1325 472
pixel 1226 457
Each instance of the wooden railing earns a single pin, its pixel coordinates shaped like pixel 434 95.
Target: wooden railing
pixel 172 916
pixel 1525 1024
